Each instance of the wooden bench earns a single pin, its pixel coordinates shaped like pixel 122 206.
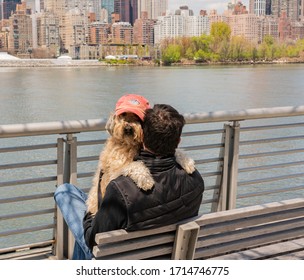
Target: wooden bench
pixel 254 232
pixel 155 243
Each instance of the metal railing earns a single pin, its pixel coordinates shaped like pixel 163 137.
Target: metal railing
pixel 245 157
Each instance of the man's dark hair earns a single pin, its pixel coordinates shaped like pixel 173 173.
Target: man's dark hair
pixel 162 128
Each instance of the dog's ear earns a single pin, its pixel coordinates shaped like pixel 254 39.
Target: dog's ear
pixel 110 123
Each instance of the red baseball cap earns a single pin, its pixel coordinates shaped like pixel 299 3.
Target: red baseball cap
pixel 132 103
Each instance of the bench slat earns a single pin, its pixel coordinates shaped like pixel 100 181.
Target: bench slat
pixel 258 230
pixel 134 244
pixel 121 234
pixel 247 243
pixel 231 225
pixel 247 212
pixel 164 251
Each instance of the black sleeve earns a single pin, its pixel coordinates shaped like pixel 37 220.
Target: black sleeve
pixel 110 216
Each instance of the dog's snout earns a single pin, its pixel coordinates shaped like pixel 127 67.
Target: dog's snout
pixel 128 130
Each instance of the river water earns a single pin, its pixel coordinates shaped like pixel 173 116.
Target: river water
pixel 49 94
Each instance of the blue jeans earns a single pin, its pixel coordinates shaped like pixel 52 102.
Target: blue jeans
pixel 71 202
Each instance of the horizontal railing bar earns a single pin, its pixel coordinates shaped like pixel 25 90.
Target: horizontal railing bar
pixel 85 174
pixel 207 201
pixel 202 147
pixel 47 128
pixel 27 214
pixel 208 160
pixel 202 132
pixel 210 188
pixel 249 114
pixel 267 140
pixel 28 181
pixel 28 164
pixel 25 198
pixel 276 153
pixel 265 167
pixel 88 158
pixel 270 179
pixel 76 126
pixel 27 148
pixel 91 142
pixel 26 246
pixel 211 174
pixel 26 230
pixel 272 126
pixel 290 189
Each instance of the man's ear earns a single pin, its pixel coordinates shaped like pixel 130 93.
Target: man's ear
pixel 110 123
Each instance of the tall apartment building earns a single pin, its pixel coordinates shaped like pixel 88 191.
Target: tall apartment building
pixel 144 30
pixel 247 25
pixel 257 7
pixel 75 30
pixel 7 7
pixel 122 33
pixel 20 25
pixel 290 7
pixel 154 8
pixel 99 33
pixel 48 31
pixel 127 10
pixel 269 26
pixel 197 25
pixel 215 17
pixel 182 23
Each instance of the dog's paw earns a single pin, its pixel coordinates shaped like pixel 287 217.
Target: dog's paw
pixel 140 174
pixel 184 161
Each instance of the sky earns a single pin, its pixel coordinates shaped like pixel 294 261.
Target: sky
pixel 197 5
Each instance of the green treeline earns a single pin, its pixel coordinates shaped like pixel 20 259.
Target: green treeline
pixel 220 46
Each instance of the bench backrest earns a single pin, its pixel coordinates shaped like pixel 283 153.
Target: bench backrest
pixel 137 245
pixel 208 236
pixel 248 227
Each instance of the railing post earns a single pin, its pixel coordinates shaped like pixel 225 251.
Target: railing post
pixel 229 169
pixel 66 173
pixel 233 165
pixel 222 180
pixel 61 227
pixel 70 176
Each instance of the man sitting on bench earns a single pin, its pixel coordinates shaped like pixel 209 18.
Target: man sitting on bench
pixel 176 195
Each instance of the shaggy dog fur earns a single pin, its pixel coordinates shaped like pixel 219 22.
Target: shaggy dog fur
pixel 116 159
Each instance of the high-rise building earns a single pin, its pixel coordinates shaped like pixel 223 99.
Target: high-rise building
pixel 20 36
pixel 7 7
pixel 109 6
pixel 48 31
pixel 154 8
pixel 99 33
pixel 301 12
pixel 127 10
pixel 291 8
pixel 144 30
pixel 122 33
pixel 182 24
pixel 257 7
pixel 268 7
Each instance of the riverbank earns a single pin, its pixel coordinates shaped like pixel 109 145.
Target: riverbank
pixel 98 63
pixel 50 63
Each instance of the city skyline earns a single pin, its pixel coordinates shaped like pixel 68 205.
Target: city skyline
pixel 197 5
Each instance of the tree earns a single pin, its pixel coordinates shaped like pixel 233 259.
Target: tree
pixel 171 54
pixel 220 32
